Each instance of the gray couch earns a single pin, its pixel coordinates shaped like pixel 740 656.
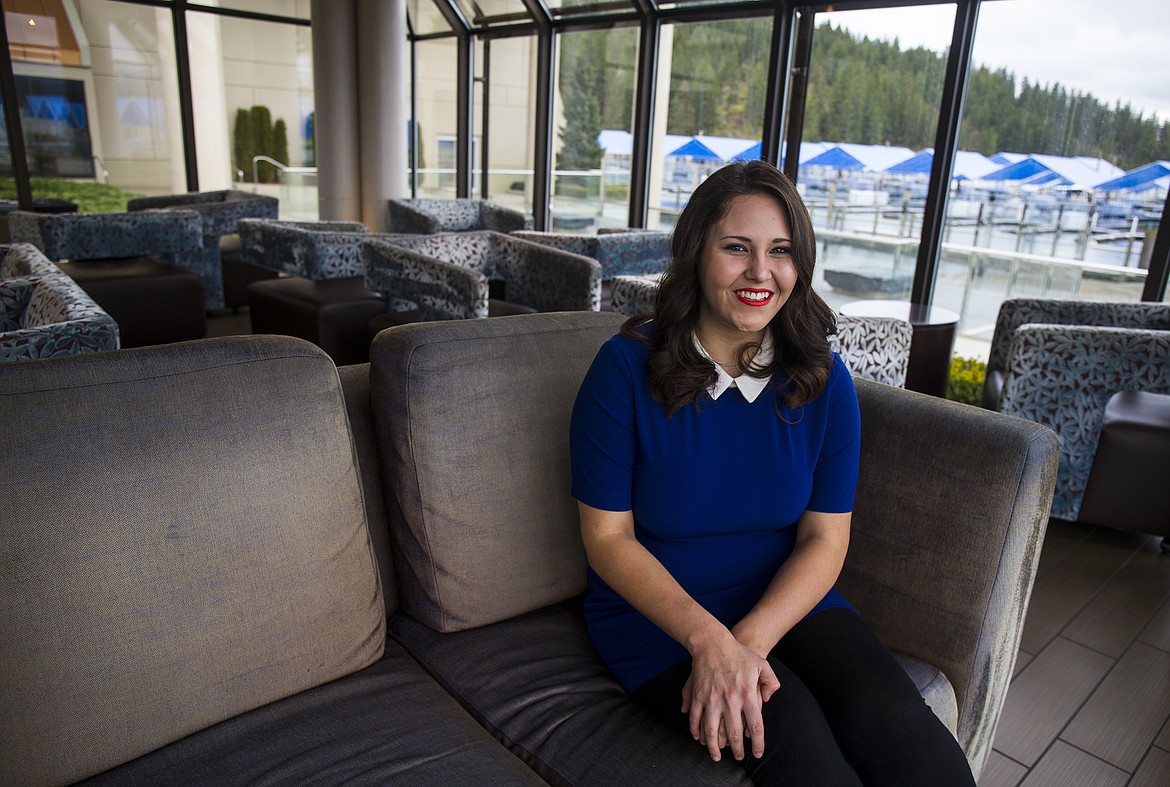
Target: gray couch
pixel 247 566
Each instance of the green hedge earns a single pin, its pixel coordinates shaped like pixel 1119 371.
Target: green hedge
pixel 965 381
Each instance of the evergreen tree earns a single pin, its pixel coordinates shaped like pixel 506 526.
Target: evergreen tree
pixel 243 143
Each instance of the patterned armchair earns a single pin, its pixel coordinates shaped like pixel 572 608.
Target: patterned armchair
pixel 220 212
pixel 314 250
pixel 427 216
pixel 141 268
pixel 1020 311
pixel 44 313
pixel 1065 377
pixel 321 296
pixel 873 348
pixel 446 275
pixel 633 295
pixel 620 253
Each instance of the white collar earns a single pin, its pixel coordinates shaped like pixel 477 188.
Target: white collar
pixel 750 387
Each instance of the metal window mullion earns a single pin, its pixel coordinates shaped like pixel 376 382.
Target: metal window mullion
pixel 946 140
pixel 1155 286
pixel 186 100
pixel 647 84
pixel 798 74
pixel 16 150
pixel 780 55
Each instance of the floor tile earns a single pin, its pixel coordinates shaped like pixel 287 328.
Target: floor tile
pixel 1064 766
pixel 1001 771
pixel 1127 711
pixel 1045 696
pixel 1157 631
pixel 1154 770
pixel 1123 608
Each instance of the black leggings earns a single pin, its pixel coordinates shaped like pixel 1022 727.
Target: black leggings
pixel 846 713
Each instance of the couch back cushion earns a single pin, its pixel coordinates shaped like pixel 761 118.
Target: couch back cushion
pixel 472 418
pixel 183 541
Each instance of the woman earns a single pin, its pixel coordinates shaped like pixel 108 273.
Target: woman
pixel 715 450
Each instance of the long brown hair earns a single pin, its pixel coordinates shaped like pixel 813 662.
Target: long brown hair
pixel 678 374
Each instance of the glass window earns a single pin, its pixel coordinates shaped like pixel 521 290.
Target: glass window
pixel 425 17
pixel 710 106
pixel 874 88
pixel 592 143
pixel 564 9
pixel 509 120
pixel 1060 185
pixel 98 96
pixel 253 97
pixel 436 118
pixel 482 13
pixel 293 9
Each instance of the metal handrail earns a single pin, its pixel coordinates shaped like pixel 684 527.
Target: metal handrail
pixel 282 167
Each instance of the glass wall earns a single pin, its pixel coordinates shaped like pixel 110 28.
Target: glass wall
pixel 435 119
pixel 710 106
pixel 98 92
pixel 593 113
pixel 871 114
pixel 1040 202
pixel 253 101
pixel 507 74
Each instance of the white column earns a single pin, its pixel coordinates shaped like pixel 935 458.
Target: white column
pixel 335 97
pixel 383 90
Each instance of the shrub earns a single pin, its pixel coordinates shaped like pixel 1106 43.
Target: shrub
pixel 965 381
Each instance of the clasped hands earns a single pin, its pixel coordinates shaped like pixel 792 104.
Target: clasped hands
pixel 725 695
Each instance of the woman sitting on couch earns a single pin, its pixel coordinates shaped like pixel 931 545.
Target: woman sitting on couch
pixel 715 451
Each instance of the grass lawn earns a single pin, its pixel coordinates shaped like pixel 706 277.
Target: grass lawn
pixel 90 197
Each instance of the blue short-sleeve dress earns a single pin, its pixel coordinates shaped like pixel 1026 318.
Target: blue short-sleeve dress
pixel 715 492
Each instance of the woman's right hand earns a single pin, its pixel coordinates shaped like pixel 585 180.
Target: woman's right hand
pixel 725 695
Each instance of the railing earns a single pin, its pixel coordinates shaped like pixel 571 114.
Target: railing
pixel 296 187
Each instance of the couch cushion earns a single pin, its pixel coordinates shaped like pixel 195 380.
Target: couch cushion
pixel 184 540
pixel 541 688
pixel 387 724
pixel 473 424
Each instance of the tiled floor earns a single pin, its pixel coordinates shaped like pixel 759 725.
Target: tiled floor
pixel 1090 701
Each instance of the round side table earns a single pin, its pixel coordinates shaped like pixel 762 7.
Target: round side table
pixel 931 345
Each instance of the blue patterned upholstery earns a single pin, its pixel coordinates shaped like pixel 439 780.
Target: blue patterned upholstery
pixel 1062 376
pixel 436 268
pixel 220 213
pixel 626 253
pixel 100 236
pixel 46 314
pixel 873 348
pixel 314 250
pixel 425 216
pixel 1020 311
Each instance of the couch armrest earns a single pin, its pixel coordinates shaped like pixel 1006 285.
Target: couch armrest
pixel 442 290
pixel 502 219
pixel 548 279
pixel 404 217
pixel 1063 375
pixel 952 504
